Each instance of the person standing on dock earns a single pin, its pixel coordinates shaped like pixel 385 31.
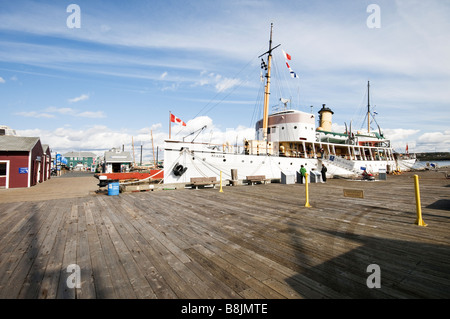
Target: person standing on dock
pixel 302 173
pixel 324 173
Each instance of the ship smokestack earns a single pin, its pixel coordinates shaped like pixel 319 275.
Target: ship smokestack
pixel 325 119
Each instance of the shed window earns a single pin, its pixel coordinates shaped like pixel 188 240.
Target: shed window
pixel 2 169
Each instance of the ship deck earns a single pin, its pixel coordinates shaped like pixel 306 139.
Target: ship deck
pixel 248 242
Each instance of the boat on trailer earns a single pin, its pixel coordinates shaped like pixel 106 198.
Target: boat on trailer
pixel 284 141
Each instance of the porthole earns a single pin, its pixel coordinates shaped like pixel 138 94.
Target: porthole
pixel 224 159
pixel 295 127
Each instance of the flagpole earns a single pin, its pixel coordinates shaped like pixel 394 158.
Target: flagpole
pixel 170 124
pixel 267 88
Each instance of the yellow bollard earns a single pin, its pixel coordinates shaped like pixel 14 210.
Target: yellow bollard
pixel 221 190
pixel 307 191
pixel 419 220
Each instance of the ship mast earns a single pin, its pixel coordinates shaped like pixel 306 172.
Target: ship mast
pixel 368 106
pixel 267 88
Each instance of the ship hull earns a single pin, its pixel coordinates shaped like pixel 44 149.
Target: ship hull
pixel 201 161
pixel 406 164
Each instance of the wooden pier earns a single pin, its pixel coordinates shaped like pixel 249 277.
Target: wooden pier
pixel 250 242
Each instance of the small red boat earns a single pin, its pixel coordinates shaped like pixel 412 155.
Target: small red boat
pixel 106 178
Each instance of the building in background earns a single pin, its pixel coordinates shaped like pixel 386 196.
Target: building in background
pixel 117 161
pixel 24 161
pixel 47 155
pixel 6 130
pixel 84 161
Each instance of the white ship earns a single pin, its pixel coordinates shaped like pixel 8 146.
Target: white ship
pixel 284 141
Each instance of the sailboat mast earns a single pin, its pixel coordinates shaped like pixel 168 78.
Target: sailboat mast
pixel 368 106
pixel 267 89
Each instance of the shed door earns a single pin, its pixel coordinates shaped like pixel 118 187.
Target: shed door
pixel 4 174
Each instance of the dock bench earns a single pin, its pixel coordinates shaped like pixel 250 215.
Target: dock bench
pixel 256 179
pixel 203 181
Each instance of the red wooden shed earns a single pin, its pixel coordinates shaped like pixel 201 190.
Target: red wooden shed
pixel 23 162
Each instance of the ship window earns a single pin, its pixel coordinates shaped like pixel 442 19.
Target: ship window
pixel 282 127
pixel 295 127
pixel 224 159
pixel 273 129
pixel 268 130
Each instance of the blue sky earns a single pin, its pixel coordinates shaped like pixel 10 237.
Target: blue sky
pixel 116 77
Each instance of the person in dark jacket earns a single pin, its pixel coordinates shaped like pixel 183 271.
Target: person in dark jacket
pixel 324 173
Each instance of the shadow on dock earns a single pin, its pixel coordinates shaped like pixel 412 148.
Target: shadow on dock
pixel 407 269
pixel 443 204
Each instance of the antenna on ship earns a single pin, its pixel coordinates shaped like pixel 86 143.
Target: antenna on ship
pixel 267 89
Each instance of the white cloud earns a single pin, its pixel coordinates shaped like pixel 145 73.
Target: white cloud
pixel 100 138
pixel 434 142
pixel 163 76
pixel 399 134
pixel 211 133
pixel 226 84
pixel 63 110
pixel 149 130
pixel 35 114
pixel 52 112
pixel 2 80
pixel 82 97
pixel 219 82
pixel 98 114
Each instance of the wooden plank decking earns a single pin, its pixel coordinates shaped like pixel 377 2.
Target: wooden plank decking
pixel 247 242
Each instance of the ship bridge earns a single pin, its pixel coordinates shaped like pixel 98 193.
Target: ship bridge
pixel 288 126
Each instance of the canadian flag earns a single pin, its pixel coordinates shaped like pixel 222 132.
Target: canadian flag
pixel 175 119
